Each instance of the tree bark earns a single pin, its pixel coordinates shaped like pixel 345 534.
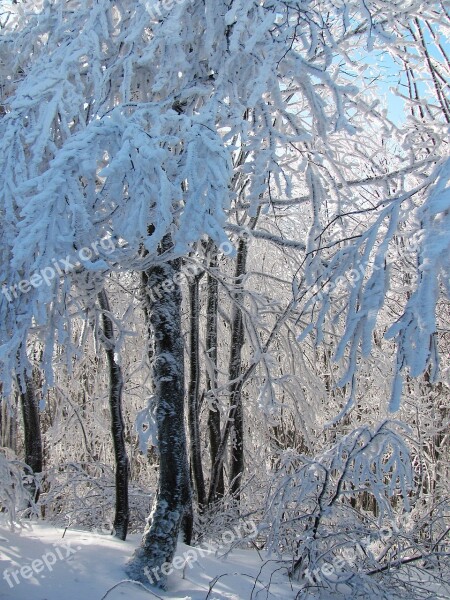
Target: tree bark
pixel 172 509
pixel 8 436
pixel 235 371
pixel 193 394
pixel 214 424
pixel 234 427
pixel 122 512
pixel 32 428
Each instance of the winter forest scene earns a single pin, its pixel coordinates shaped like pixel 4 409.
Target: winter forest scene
pixel 225 299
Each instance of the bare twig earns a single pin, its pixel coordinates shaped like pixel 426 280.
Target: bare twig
pixel 138 583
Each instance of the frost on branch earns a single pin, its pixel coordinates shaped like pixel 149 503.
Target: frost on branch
pixel 355 282
pixel 415 331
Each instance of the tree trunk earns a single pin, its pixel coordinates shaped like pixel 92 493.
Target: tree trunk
pixel 235 371
pixel 32 428
pixel 8 411
pixel 193 394
pixel 214 424
pixel 234 427
pixel 122 513
pixel 172 508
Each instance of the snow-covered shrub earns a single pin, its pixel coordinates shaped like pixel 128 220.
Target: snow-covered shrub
pixel 14 496
pixel 346 517
pixel 310 496
pixel 313 502
pixel 83 495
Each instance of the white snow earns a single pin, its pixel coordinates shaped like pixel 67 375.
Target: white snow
pixel 96 563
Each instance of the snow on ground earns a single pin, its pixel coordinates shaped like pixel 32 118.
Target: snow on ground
pixel 40 562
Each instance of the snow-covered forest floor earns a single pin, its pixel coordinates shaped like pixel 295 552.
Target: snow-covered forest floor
pixel 93 563
pixel 39 561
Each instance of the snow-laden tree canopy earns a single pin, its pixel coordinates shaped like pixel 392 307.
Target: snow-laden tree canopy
pixel 122 123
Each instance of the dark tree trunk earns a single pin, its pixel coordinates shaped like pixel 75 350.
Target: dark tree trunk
pixel 235 371
pixel 234 427
pixel 122 513
pixel 172 508
pixel 193 394
pixel 214 425
pixel 31 427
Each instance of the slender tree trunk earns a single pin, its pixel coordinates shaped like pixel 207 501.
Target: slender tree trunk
pixel 172 509
pixel 122 513
pixel 193 394
pixel 234 427
pixel 8 411
pixel 235 371
pixel 214 425
pixel 31 427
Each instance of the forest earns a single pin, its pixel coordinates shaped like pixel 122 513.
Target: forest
pixel 224 307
